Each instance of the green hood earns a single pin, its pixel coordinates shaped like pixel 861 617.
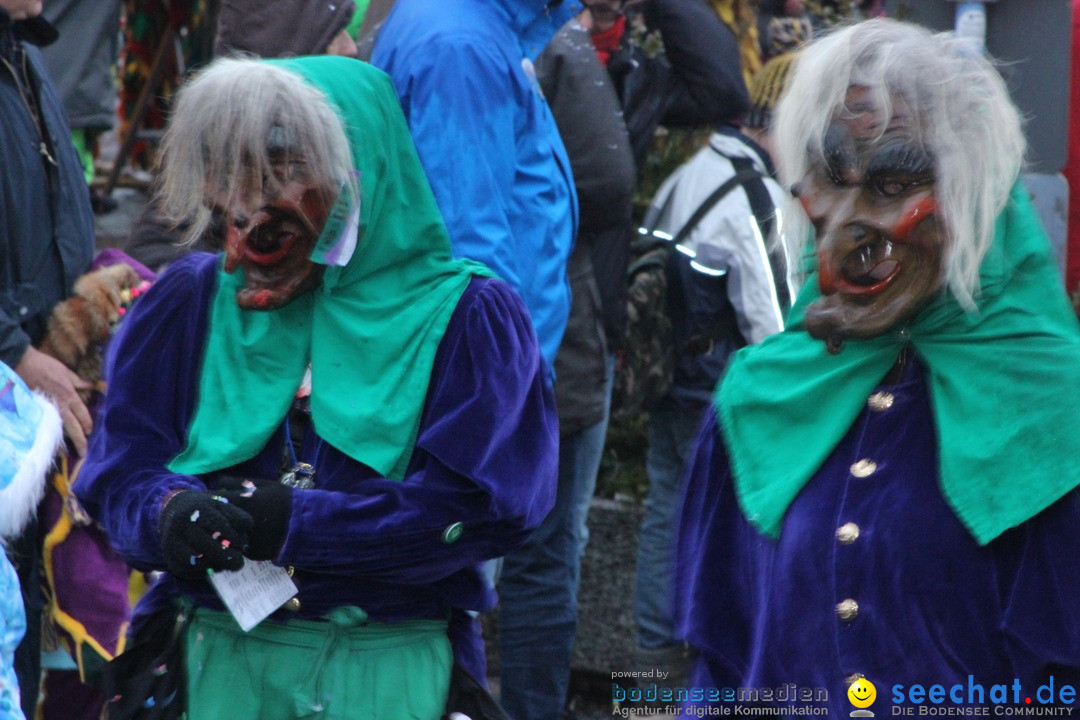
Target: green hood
pixel 370 331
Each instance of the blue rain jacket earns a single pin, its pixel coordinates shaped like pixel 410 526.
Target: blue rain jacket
pixel 487 140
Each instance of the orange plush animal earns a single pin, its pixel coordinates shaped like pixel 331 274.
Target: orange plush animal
pixel 79 326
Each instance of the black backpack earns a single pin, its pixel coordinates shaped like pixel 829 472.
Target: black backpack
pixel 646 366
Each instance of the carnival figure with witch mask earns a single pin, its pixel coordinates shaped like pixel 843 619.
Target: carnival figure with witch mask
pixel 887 489
pixel 334 394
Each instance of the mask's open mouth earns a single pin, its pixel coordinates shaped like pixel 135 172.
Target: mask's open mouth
pixel 866 270
pixel 268 245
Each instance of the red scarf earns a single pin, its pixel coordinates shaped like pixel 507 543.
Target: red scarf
pixel 607 41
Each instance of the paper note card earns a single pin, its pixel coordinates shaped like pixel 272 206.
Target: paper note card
pixel 254 591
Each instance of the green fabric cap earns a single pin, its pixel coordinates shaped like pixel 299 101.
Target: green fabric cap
pixel 1004 386
pixel 370 331
pixel 353 28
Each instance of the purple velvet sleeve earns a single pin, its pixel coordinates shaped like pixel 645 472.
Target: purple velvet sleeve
pixel 151 370
pixel 482 475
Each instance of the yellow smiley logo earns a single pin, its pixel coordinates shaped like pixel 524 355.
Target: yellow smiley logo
pixel 862 693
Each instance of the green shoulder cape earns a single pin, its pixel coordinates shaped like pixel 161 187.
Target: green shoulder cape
pixel 1004 384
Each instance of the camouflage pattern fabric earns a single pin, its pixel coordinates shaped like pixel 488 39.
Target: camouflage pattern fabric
pixel 646 365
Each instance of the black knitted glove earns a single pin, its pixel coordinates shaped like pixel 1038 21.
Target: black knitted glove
pixel 201 531
pixel 270 506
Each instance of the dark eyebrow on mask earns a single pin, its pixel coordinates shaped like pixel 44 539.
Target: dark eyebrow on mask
pixel 838 150
pixel 900 158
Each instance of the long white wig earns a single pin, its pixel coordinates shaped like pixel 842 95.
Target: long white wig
pixel 229 126
pixel 961 109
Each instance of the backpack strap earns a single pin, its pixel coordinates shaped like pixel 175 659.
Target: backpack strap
pixel 650 240
pixel 764 209
pixel 741 176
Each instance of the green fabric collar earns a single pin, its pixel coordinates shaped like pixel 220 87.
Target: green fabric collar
pixel 370 331
pixel 1004 385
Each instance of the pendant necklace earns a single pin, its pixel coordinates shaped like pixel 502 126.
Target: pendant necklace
pixel 300 475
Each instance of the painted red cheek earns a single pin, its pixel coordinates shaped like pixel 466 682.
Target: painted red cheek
pixel 918 211
pixel 311 202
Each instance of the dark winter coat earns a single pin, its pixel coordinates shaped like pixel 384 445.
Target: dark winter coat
pixel 46 225
pixel 280 29
pixel 587 113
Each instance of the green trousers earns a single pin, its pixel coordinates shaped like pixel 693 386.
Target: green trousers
pixel 342 669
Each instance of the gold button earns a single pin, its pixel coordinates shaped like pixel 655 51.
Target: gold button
pixel 292 604
pixel 847 610
pixel 290 570
pixel 881 401
pixel 847 533
pixel 849 680
pixel 864 468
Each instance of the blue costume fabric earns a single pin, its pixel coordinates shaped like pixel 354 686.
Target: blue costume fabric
pixel 874 575
pixel 29 435
pixel 487 140
pixel 398 550
pixel 12 629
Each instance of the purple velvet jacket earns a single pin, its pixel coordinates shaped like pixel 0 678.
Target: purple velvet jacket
pixel 485 457
pixel 874 575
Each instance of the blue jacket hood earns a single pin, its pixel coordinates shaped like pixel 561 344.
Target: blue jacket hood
pixel 535 23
